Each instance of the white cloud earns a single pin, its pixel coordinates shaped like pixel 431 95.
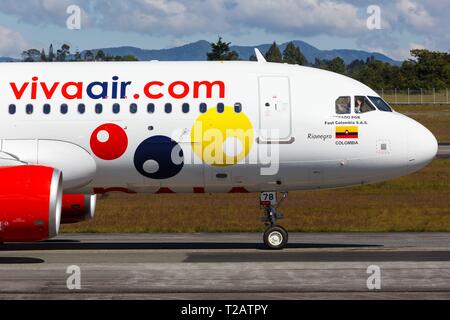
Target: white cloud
pixel 11 42
pixel 415 15
pixel 187 17
pixel 303 17
pixel 181 17
pixel 411 24
pixel 405 53
pixel 300 17
pixel 418 21
pixel 43 12
pixel 399 53
pixel 159 17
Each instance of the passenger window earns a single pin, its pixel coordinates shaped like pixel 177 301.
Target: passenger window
pixel 81 108
pixel 29 109
pixel 220 107
pixel 237 107
pixel 343 105
pixel 203 107
pixel 98 108
pixel 185 107
pixel 168 107
pixel 12 109
pixel 133 108
pixel 151 108
pixel 116 108
pixel 363 105
pixel 64 108
pixel 46 108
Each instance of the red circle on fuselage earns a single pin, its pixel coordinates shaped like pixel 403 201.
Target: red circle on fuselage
pixel 109 141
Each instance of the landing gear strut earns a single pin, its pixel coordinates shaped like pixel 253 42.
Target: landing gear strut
pixel 275 237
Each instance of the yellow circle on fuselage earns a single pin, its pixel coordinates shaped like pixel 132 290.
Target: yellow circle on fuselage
pixel 222 139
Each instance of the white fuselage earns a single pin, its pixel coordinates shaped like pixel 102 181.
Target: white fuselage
pixel 286 132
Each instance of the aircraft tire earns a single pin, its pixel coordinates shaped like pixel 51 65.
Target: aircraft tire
pixel 275 237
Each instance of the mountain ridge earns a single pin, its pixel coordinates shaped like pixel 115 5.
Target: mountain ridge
pixel 196 51
pixel 8 59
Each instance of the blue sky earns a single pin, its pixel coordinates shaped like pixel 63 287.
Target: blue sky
pixel 153 24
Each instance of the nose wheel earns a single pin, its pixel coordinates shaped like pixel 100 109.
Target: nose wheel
pixel 275 237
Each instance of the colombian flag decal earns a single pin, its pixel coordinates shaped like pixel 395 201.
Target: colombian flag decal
pixel 347 132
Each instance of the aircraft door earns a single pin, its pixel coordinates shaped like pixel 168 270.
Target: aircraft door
pixel 275 109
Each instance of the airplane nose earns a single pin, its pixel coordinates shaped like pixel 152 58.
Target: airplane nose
pixel 422 146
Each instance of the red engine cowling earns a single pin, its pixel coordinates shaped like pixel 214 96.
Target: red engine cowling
pixel 30 203
pixel 77 208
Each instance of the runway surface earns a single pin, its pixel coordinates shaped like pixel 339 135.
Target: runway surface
pixel 443 150
pixel 229 266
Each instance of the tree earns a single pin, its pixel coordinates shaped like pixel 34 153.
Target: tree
pixel 320 64
pixel 51 55
pixel 128 57
pixel 26 56
pixel 274 53
pixel 31 55
pixel 43 56
pixel 427 69
pixel 88 56
pixel 62 53
pixel 100 56
pixel 377 74
pixel 372 73
pixel 432 68
pixel 293 55
pixel 77 56
pixel 220 51
pixel 354 65
pixel 408 76
pixel 337 65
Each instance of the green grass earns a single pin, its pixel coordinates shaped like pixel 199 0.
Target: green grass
pixel 418 202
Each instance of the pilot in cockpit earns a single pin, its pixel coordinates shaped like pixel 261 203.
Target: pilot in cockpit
pixel 359 104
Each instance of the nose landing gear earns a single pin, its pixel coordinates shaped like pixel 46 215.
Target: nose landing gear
pixel 275 237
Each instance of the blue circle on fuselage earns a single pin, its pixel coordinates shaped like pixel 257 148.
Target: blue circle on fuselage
pixel 158 157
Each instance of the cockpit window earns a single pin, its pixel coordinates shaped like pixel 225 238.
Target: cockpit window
pixel 363 105
pixel 380 104
pixel 343 105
